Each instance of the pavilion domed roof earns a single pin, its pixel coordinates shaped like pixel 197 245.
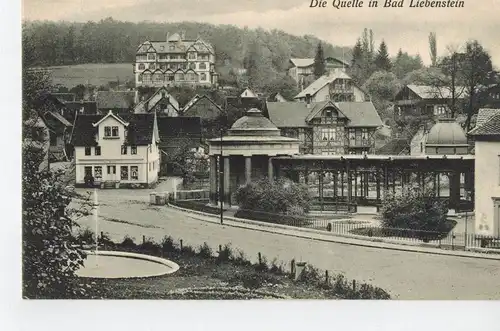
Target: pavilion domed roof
pixel 446 132
pixel 254 124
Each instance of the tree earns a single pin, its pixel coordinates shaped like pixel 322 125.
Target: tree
pixel 404 64
pixel 49 256
pixel 382 61
pixel 416 209
pixel 382 86
pixel 433 48
pixel 319 62
pixel 476 69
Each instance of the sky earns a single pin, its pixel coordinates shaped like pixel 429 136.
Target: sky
pixel 406 28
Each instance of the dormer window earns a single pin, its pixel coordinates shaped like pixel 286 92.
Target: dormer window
pixel 124 150
pixel 87 151
pixel 110 132
pixel 114 131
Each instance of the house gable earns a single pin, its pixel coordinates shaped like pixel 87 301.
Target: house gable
pixel 110 114
pixel 203 107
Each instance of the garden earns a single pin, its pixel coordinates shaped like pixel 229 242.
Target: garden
pixel 223 274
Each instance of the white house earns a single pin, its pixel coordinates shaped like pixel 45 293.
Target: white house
pixel 116 150
pixel 486 135
pixel 336 86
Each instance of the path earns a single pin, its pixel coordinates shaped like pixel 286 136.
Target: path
pixel 405 275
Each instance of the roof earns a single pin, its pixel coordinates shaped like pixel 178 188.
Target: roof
pixel 297 114
pixel 245 103
pixel 178 127
pixel 302 62
pixel 115 99
pixel 394 147
pixel 140 129
pixel 60 118
pixel 319 83
pixel 288 114
pixel 140 107
pixel 433 92
pixel 360 114
pixel 484 114
pixel 490 127
pixel 181 45
pixel 310 61
pixel 446 132
pixel 465 157
pixel 89 107
pixel 254 124
pixel 64 97
pixel 197 98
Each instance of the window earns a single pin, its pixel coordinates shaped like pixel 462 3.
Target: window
pixel 364 134
pixel 124 150
pixel 421 147
pixel 329 134
pixel 203 66
pixel 111 170
pixel 139 78
pixel 192 56
pixel 141 66
pixel 179 76
pixel 192 65
pixel 124 173
pixel 152 66
pixel 170 77
pixel 141 57
pixel 153 165
pixel 134 172
pixel 203 77
pixel 87 150
pixel 151 56
pixel 107 131
pixel 87 171
pixel 114 131
pixel 146 78
pixel 133 150
pixel 97 150
pixel 157 78
pixel 98 172
pixel 162 48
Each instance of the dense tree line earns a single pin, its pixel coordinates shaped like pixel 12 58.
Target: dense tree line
pixel 111 41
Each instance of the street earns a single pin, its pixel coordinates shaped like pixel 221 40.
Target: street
pixel 405 275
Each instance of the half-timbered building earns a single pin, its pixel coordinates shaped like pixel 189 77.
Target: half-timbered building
pixel 328 128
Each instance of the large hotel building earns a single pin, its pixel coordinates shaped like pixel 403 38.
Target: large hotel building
pixel 176 61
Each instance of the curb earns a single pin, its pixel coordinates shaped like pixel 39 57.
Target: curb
pixel 345 239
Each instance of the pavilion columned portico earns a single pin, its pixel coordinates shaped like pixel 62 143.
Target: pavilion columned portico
pixel 347 182
pixel 245 153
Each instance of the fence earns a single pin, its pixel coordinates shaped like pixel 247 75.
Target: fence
pixel 347 226
pixel 192 195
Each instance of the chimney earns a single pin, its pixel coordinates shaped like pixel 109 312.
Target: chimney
pixel 308 100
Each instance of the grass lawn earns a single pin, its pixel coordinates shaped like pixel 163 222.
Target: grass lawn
pixel 91 73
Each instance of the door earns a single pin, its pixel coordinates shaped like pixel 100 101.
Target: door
pixel 111 173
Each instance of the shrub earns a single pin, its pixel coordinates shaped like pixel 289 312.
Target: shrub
pixel 226 254
pixel 254 280
pixel 277 269
pixel 85 237
pixel 150 246
pixel 128 242
pixel 188 250
pixel 262 264
pixel 416 210
pixel 280 197
pixel 241 259
pixel 167 244
pixel 205 251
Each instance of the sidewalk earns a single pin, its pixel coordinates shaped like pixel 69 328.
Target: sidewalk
pixel 381 243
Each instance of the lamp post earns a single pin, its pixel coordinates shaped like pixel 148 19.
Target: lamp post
pixel 221 174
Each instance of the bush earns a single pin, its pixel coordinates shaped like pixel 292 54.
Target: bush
pixel 188 250
pixel 226 254
pixel 416 210
pixel 280 197
pixel 128 242
pixel 85 237
pixel 241 259
pixel 167 244
pixel 150 246
pixel 205 250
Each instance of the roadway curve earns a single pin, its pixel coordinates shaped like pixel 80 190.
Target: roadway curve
pixel 406 275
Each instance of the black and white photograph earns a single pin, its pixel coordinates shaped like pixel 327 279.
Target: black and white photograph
pixel 253 150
